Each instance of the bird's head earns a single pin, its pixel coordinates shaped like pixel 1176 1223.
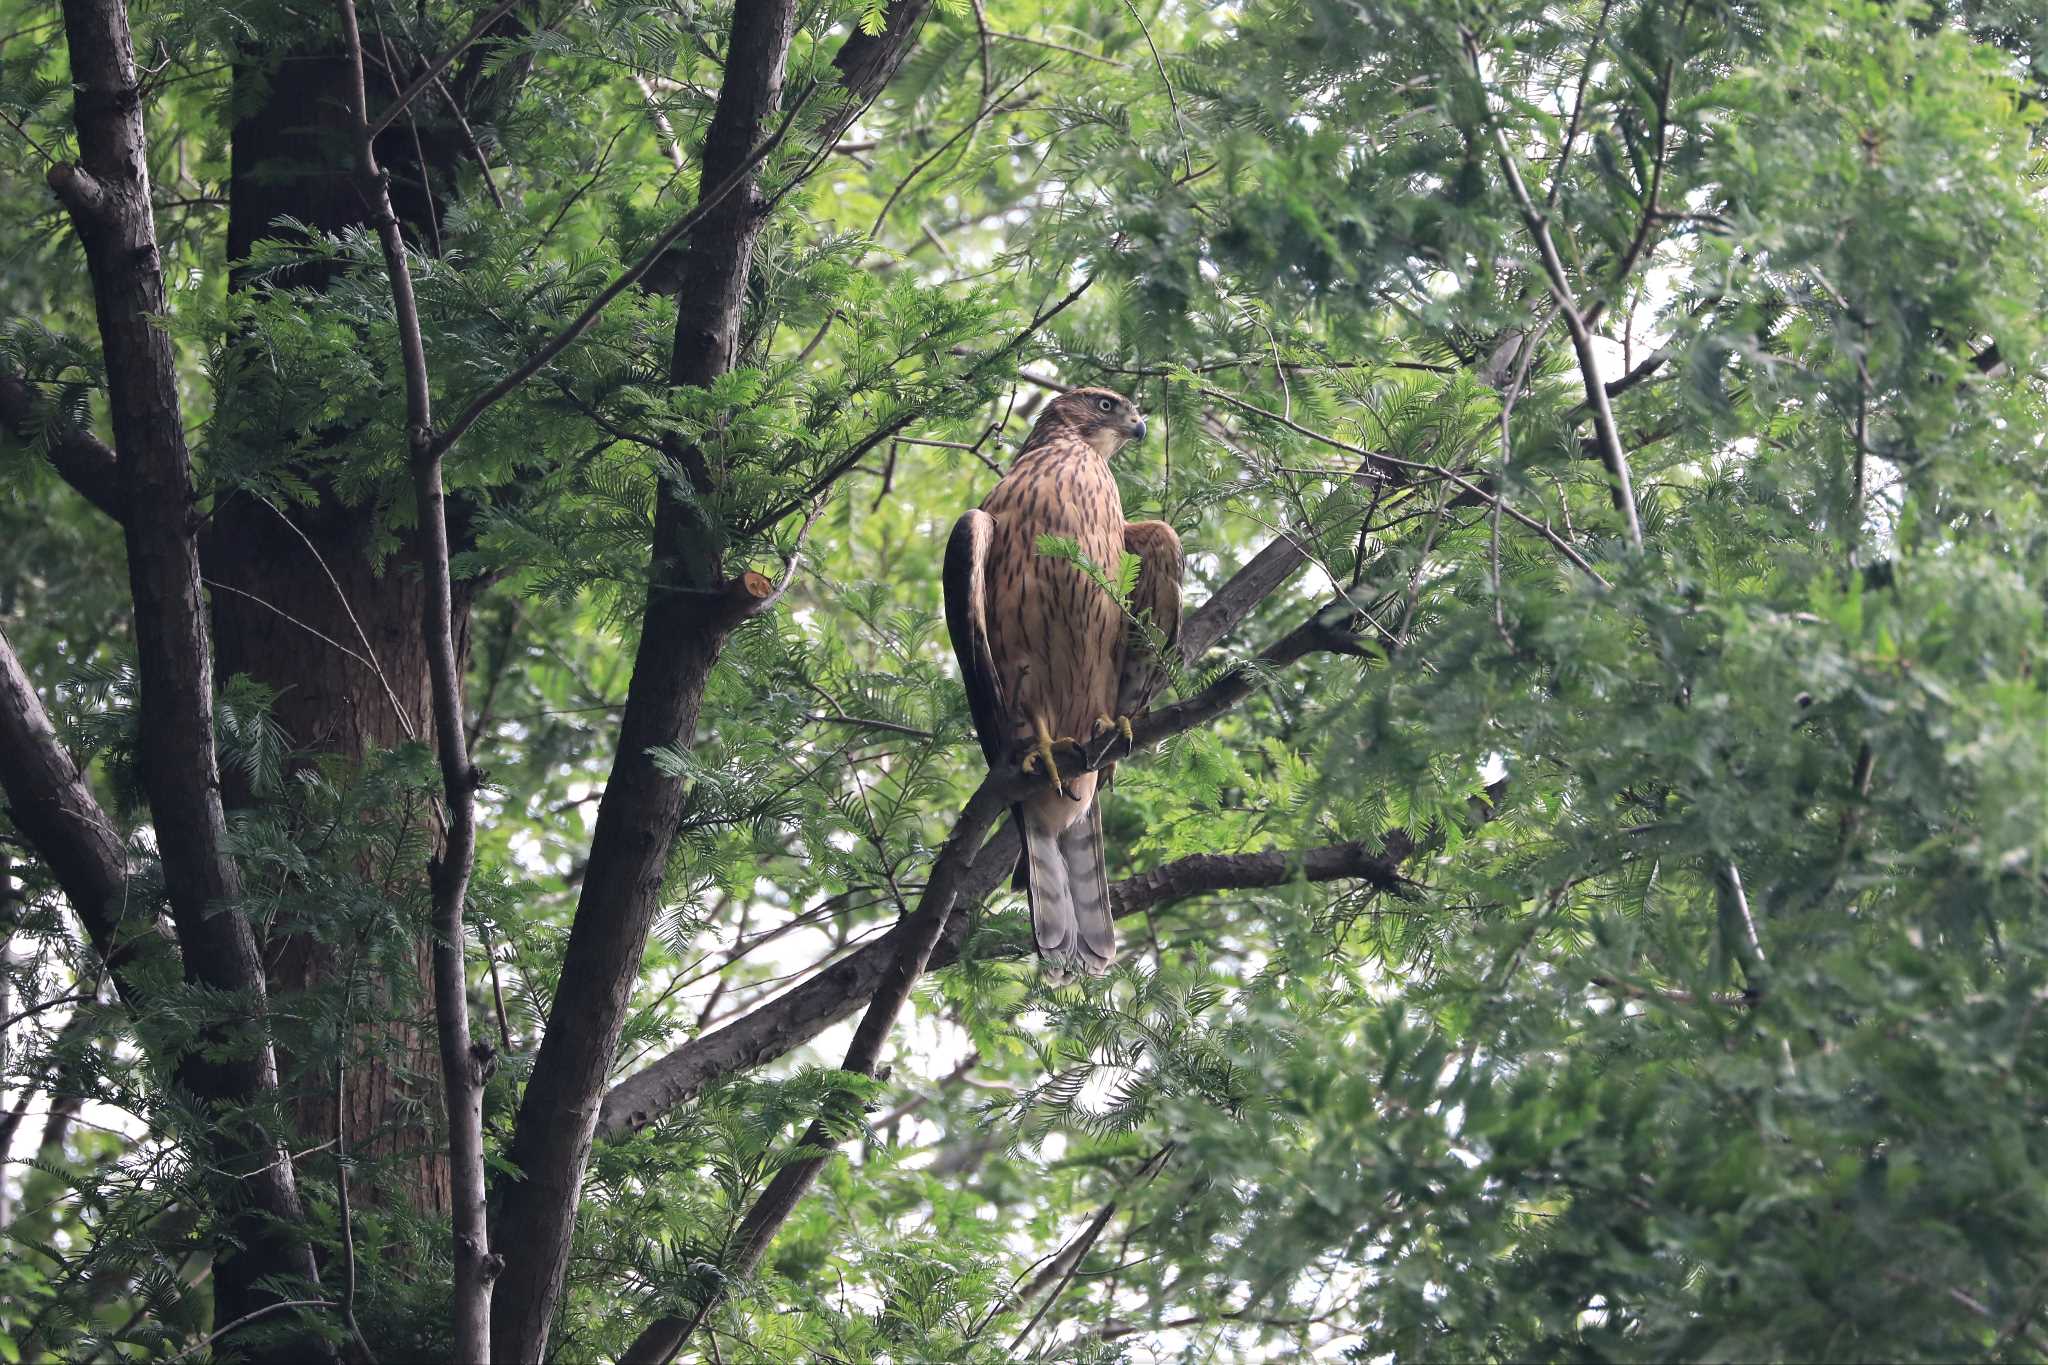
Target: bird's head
pixel 1100 417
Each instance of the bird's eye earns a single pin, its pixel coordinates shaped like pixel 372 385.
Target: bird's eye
pixel 1105 404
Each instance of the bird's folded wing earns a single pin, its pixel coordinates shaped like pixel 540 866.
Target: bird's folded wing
pixel 966 575
pixel 1155 602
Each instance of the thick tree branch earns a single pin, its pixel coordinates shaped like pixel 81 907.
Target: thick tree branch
pixel 791 1020
pixel 690 610
pixel 462 1072
pixel 86 462
pixel 108 195
pixel 49 802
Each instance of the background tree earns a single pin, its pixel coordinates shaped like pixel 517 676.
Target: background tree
pixel 494 858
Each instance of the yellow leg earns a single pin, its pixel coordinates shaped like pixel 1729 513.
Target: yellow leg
pixel 1041 756
pixel 1121 725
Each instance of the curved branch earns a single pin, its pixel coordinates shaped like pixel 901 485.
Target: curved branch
pixel 50 803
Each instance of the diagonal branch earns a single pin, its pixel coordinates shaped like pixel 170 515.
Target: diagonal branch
pixel 839 990
pixel 867 61
pixel 917 936
pixel 1538 225
pixel 462 1074
pixel 911 950
pixel 49 802
pixel 742 174
pixel 434 69
pixel 1561 545
pixel 795 1018
pixel 86 462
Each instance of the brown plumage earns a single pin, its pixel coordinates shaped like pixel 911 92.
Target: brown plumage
pixel 1046 654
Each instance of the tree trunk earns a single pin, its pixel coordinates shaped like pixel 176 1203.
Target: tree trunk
pixel 303 606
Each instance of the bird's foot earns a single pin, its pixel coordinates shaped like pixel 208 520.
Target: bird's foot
pixel 1119 728
pixel 1039 758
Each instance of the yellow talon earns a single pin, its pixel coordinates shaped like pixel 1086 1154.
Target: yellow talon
pixel 1121 727
pixel 1041 756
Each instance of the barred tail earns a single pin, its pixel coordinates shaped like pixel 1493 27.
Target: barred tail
pixel 1069 890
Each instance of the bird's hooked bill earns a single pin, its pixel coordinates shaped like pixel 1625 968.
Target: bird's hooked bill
pixel 1138 433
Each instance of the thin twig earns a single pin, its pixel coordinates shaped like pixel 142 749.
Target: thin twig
pixel 1578 561
pixel 437 66
pixel 1571 130
pixel 1186 156
pixel 981 114
pixel 561 341
pixel 239 1323
pixel 1058 47
pixel 1560 290
pixel 369 654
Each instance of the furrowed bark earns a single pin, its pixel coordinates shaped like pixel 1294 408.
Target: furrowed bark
pixel 462 1073
pixel 310 600
pixel 689 613
pixel 108 195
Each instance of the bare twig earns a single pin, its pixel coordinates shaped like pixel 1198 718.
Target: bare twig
pixel 981 114
pixel 437 66
pixel 1051 46
pixel 239 1323
pixel 462 1067
pixel 1187 157
pixel 1564 548
pixel 1560 290
pixel 369 654
pixel 1571 129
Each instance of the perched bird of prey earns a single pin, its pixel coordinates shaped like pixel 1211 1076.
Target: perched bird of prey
pixel 1050 659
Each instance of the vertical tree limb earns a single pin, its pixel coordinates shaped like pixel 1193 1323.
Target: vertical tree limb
pixel 690 610
pixel 108 195
pixel 462 1072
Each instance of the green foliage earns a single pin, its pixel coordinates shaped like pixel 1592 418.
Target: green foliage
pixel 1705 1022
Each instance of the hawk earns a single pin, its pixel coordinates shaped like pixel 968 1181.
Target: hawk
pixel 1050 660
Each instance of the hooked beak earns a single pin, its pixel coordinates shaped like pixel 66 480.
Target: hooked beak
pixel 1138 431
